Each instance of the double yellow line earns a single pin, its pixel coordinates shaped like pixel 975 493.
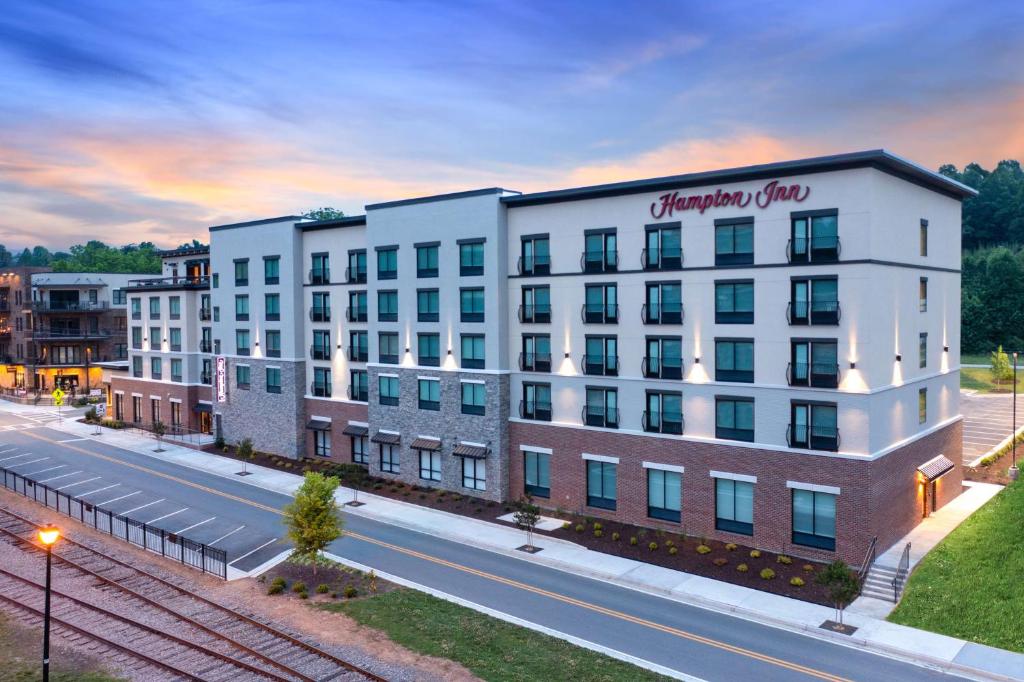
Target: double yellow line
pixel 682 634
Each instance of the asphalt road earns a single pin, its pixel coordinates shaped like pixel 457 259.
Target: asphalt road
pixel 693 641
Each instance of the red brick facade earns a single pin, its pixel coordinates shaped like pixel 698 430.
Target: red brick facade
pixel 189 397
pixel 876 498
pixel 340 414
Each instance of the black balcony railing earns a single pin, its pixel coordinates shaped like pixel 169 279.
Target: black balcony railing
pixel 601 365
pixel 358 353
pixel 70 307
pixel 599 261
pixel 813 250
pixel 388 359
pixel 813 437
pixel 534 265
pixel 319 314
pixel 355 275
pixel 429 360
pixel 320 276
pixel 535 313
pixel 658 422
pixel 320 352
pixel 41 333
pixel 655 313
pixel 205 314
pixel 183 281
pixel 205 378
pixel 814 312
pixel 535 362
pixel 661 259
pixel 816 374
pixel 358 393
pixel 598 415
pixel 536 410
pixel 356 314
pixel 662 368
pixel 599 313
pixel 320 389
pixel 205 347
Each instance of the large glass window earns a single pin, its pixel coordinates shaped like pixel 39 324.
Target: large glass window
pixel 664 358
pixel 734 418
pixel 321 310
pixel 273 379
pixel 176 365
pixel 137 338
pixel 664 495
pixel 664 412
pixel 272 306
pixel 472 304
pixel 602 356
pixel 360 451
pixel 734 506
pixel 242 307
pixel 536 403
pixel 536 305
pixel 922 350
pixel 814 426
pixel 136 305
pixel 271 269
pixel 322 386
pixel 322 443
pixel 429 394
pixel 175 338
pixel 734 242
pixel 242 272
pixel 814 301
pixel 471 258
pixel 473 351
pixel 734 360
pixel 814 237
pixel 663 249
pixel 359 385
pixel 358 346
pixel 537 473
pixel 600 251
pixel 242 376
pixel 814 519
pixel 390 459
pixel 356 272
pixel 242 341
pixel 387 306
pixel 664 303
pixel 321 348
pixel 474 473
pixel 426 260
pixel 922 405
pixel 174 307
pixel 601 304
pixel 430 465
pixel 734 302
pixel 814 362
pixel 320 271
pixel 273 339
pixel 429 349
pixel 356 306
pixel 427 305
pixel 602 407
pixel 387 263
pixel 535 258
pixel 601 480
pixel 388 390
pixel 387 347
pixel 536 356
pixel 155 368
pixel 474 397
pixel 154 307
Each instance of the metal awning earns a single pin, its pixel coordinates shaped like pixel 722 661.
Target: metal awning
pixel 936 467
pixel 386 438
pixel 319 425
pixel 426 444
pixel 467 450
pixel 203 407
pixel 353 430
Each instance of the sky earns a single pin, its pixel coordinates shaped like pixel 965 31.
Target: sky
pixel 152 120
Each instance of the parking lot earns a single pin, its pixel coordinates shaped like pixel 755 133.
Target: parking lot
pixel 988 419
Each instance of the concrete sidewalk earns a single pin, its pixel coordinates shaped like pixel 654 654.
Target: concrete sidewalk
pixel 873 633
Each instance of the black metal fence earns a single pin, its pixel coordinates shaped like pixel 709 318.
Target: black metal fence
pixel 176 547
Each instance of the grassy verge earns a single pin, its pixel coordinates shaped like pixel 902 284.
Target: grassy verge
pixel 969 585
pixel 975 359
pixel 492 649
pixel 980 379
pixel 21 653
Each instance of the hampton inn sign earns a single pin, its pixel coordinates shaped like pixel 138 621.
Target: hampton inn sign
pixel 763 198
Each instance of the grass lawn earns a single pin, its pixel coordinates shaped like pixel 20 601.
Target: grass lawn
pixel 492 649
pixel 980 379
pixel 969 586
pixel 975 359
pixel 21 653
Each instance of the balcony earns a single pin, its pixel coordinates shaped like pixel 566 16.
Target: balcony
pixel 52 334
pixel 813 437
pixel 319 314
pixel 599 261
pixel 357 354
pixel 359 393
pixel 320 389
pixel 661 259
pixel 598 415
pixel 320 276
pixel 537 411
pixel 662 368
pixel 179 282
pixel 534 265
pixel 815 375
pixel 356 314
pixel 205 378
pixel 657 422
pixel 804 313
pixel 205 314
pixel 535 362
pixel 599 313
pixel 69 307
pixel 657 314
pixel 388 359
pixel 355 275
pixel 176 378
pixel 813 250
pixel 205 346
pixel 320 352
pixel 535 314
pixel 601 365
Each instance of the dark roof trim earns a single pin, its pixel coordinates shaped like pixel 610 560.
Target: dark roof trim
pixel 439 197
pixel 467 450
pixel 936 467
pixel 347 221
pixel 357 431
pixel 186 251
pixel 386 438
pixel 318 425
pixel 426 444
pixel 252 223
pixel 875 158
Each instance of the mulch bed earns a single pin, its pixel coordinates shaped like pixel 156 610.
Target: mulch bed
pixel 343 583
pixel 995 472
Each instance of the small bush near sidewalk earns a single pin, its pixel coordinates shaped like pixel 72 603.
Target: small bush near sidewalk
pixel 969 586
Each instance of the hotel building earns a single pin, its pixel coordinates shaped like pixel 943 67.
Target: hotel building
pixel 766 354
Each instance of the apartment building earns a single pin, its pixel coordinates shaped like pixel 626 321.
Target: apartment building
pixel 767 354
pixel 16 346
pixel 170 346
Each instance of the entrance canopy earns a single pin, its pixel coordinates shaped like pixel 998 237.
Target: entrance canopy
pixel 934 468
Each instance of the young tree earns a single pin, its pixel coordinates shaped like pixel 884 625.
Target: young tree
pixel 1000 366
pixel 159 430
pixel 312 518
pixel 842 586
pixel 526 517
pixel 355 475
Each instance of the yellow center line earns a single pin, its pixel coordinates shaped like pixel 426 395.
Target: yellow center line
pixel 682 634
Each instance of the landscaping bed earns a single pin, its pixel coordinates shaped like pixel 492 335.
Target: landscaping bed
pixel 330 582
pixel 995 467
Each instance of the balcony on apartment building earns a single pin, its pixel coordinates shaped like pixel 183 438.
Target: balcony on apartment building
pixel 172 282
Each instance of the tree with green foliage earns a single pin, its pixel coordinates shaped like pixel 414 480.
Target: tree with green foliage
pixel 526 517
pixel 1000 367
pixel 312 519
pixel 842 586
pixel 324 213
pixel 996 215
pixel 159 429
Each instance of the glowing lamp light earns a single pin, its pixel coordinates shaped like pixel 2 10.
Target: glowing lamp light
pixel 49 535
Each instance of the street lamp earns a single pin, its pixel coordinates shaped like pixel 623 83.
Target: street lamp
pixel 47 535
pixel 1013 432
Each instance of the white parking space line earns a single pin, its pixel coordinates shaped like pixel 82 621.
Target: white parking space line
pixel 71 485
pixel 71 440
pixel 99 490
pixel 150 504
pixel 26 454
pixel 253 551
pixel 161 518
pixel 211 544
pixel 9 448
pixel 31 461
pixel 194 525
pixel 54 478
pixel 34 473
pixel 100 504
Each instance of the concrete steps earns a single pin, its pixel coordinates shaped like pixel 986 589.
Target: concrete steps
pixel 878 583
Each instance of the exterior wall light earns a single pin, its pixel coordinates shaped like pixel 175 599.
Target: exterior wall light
pixel 567 354
pixel 899 357
pixel 853 365
pixel 945 349
pixel 696 361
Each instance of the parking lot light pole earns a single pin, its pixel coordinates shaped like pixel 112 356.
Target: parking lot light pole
pixel 1013 434
pixel 47 535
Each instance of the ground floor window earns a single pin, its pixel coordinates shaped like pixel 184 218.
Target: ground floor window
pixel 137 409
pixel 734 506
pixel 322 443
pixel 664 495
pixel 537 473
pixel 175 414
pixel 119 406
pixel 814 519
pixel 601 478
pixel 154 408
pixel 389 459
pixel 360 455
pixel 474 473
pixel 430 465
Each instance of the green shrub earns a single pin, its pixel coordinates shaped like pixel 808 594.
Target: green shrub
pixel 298 586
pixel 796 582
pixel 767 574
pixel 303 595
pixel 598 532
pixel 632 540
pixel 579 527
pixel 755 554
pixel 566 525
pixel 90 414
pixel 808 568
pixel 245 448
pixel 731 546
pixel 669 543
pixel 616 536
pixel 783 559
pixel 673 550
pixel 322 588
pixel 743 568
pixel 720 561
pixel 275 588
pixel 279 581
pixel 598 526
pixel 653 546
pixel 351 592
pixel 703 549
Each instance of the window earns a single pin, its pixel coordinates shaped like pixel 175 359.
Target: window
pixel 388 389
pixel 814 519
pixel 426 260
pixel 814 426
pixel 120 297
pixel 664 412
pixel 429 394
pixel 136 308
pixel 356 306
pixel 734 241
pixel 242 341
pixel 472 351
pixel 241 272
pixel 387 262
pixel 537 473
pixel 204 307
pixel 814 300
pixel 664 495
pixel 273 339
pixel 472 304
pixel 242 376
pixel 137 409
pixel 322 382
pixel 663 249
pixel 137 366
pixel 216 313
pixel 206 377
pixel 215 280
pixel 922 405
pixel 734 418
pixel 155 342
pixel 430 465
pixel 358 346
pixel 601 304
pixel 536 305
pixel 471 257
pixel 321 310
pixel 536 403
pixel 176 414
pixel 600 251
pixel 664 358
pixel 426 305
pixel 356 272
pixel 474 473
pixel 734 506
pixel 321 442
pixel 602 407
pixel 473 398
pixel 320 273
pixel 601 479
pixel 154 307
pixel 734 360
pixel 175 336
pixel 922 349
pixel 922 295
pixel 924 237
pixel 601 357
pixel 321 348
pixel 734 302
pixel 271 269
pixel 390 458
pixel 387 306
pixel 154 410
pixel 272 307
pixel 359 385
pixel 273 379
pixel 535 255
pixel 814 237
pixel 360 453
pixel 137 338
pixel 664 303
pixel 120 351
pixel 536 355
pixel 428 348
pixel 241 307
pixel 814 362
pixel 174 307
pixel 387 347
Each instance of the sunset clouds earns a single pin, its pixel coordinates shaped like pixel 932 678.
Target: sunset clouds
pixel 153 120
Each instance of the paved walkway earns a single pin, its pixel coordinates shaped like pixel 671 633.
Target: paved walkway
pixel 873 633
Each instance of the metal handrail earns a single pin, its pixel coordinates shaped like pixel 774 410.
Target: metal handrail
pixel 663 255
pixel 609 364
pixel 662 315
pixel 533 362
pixel 604 313
pixel 535 262
pixel 602 265
pixel 663 368
pixel 901 575
pixel 320 276
pixel 869 558
pixel 535 313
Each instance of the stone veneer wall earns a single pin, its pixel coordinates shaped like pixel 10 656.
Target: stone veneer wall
pixel 274 421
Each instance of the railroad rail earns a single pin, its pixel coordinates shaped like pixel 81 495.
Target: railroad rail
pixel 195 637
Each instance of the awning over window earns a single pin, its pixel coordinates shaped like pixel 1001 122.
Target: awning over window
pixel 467 450
pixel 203 407
pixel 426 444
pixel 319 425
pixel 934 468
pixel 386 438
pixel 353 430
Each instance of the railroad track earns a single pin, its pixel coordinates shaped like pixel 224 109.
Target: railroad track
pixel 160 624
